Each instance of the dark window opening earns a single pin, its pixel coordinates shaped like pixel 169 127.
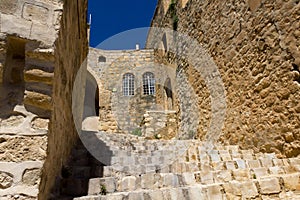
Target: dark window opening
pixel 101 59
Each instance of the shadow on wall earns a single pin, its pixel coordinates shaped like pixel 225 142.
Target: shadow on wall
pixel 13 86
pixel 86 161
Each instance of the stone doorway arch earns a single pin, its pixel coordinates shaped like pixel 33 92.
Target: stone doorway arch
pixel 168 95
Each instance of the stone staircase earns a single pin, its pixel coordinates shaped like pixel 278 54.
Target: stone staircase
pixel 74 177
pixel 182 169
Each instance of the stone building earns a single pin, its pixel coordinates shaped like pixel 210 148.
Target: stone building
pixel 219 82
pixel 133 89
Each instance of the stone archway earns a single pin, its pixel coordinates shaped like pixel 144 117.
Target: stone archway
pixel 168 95
pixel 91 104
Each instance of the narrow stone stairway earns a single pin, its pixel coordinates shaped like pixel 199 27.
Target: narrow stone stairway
pixel 74 179
pixel 181 169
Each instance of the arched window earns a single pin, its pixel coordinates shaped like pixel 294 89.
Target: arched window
pixel 101 59
pixel 148 83
pixel 128 84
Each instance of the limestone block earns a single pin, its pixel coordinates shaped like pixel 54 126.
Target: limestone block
pixel 6 180
pixel 230 165
pixel 147 181
pixel 31 177
pixel 169 180
pixel 188 178
pixel 241 174
pixel 195 192
pixel 33 12
pixel 294 161
pixel 43 33
pixel 95 185
pixel 215 157
pixel 12 121
pixel 218 166
pixel 291 182
pixel 23 148
pixel 260 172
pixel 155 195
pixel 8 6
pixel 277 162
pixel 38 100
pixel 224 154
pixel 215 192
pixel 36 75
pixel 12 25
pixel 128 183
pixel 241 164
pixel 222 176
pixel 135 195
pixel 40 123
pixel 176 193
pixel 276 170
pixel 266 162
pixel 232 189
pixel 269 186
pixel 253 163
pixel 207 178
pixel 248 190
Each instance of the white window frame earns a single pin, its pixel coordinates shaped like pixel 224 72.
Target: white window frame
pixel 128 84
pixel 148 83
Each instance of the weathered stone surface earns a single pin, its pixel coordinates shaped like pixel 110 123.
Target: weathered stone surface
pixel 38 100
pixel 128 183
pixel 31 176
pixel 8 6
pixel 12 25
pixel 291 182
pixel 16 149
pixel 12 121
pixel 71 43
pixel 269 186
pixel 40 123
pixel 36 75
pixel 256 59
pixel 35 13
pixel 6 180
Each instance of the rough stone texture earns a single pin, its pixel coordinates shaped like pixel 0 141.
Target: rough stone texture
pixel 29 30
pixel 255 45
pixel 21 179
pixel 31 176
pixel 22 148
pixel 160 124
pixel 6 180
pixel 71 44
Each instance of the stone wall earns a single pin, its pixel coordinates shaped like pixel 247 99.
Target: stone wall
pixel 255 45
pixel 119 113
pixel 28 30
pixel 71 50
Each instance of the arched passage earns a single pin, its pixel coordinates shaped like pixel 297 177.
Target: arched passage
pixel 91 99
pixel 168 94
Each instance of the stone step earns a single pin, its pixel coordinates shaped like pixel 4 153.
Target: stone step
pixel 123 182
pixel 74 186
pixel 138 166
pixel 248 189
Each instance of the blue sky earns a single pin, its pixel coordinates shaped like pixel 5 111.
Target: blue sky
pixel 111 18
